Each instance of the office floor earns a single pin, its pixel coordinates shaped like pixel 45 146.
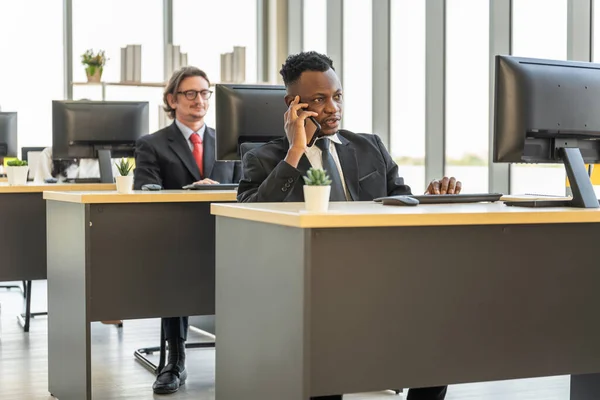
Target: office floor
pixel 117 376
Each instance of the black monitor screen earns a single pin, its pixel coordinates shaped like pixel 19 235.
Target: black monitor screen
pixel 8 134
pixel 79 128
pixel 247 113
pixel 542 105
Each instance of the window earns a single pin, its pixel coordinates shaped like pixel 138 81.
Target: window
pixel 357 72
pixel 467 93
pixel 407 139
pixel 314 21
pixel 205 29
pixel 32 70
pixel 532 37
pixel 109 26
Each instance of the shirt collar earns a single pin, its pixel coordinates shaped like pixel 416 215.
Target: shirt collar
pixel 187 131
pixel 334 138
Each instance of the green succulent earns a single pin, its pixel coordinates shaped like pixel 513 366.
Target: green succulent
pixel 317 177
pixel 124 167
pixel 16 163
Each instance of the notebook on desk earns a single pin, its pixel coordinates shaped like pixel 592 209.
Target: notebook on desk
pixel 453 198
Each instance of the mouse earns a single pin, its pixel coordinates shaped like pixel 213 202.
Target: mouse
pixel 50 180
pixel 151 186
pixel 399 201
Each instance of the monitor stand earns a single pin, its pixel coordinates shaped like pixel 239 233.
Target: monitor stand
pixel 581 185
pixel 104 162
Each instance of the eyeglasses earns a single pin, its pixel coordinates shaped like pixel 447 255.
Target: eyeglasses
pixel 192 94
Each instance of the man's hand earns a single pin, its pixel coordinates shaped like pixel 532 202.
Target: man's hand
pixel 295 118
pixel 444 186
pixel 206 181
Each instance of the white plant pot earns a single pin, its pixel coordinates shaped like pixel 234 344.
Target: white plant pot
pixel 316 198
pixel 125 184
pixel 17 176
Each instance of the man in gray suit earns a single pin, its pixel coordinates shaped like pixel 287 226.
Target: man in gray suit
pixel 175 156
pixel 359 166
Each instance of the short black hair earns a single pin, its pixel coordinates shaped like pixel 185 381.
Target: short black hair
pixel 296 64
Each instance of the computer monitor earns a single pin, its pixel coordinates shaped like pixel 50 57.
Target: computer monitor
pixel 97 129
pixel 247 113
pixel 8 134
pixel 548 111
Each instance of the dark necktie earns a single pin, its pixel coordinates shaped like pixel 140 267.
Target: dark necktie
pixel 337 189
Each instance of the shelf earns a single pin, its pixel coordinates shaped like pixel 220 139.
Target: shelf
pixel 142 84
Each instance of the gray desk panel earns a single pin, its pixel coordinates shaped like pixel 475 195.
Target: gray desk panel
pixel 260 281
pixel 22 237
pixel 121 261
pixel 454 304
pixel 153 243
pixel 69 362
pixel 383 308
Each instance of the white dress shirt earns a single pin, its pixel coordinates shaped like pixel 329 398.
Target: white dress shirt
pixel 187 133
pixel 315 156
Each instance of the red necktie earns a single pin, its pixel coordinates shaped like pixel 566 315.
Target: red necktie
pixel 198 151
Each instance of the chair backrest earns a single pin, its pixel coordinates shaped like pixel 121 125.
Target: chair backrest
pixel 247 146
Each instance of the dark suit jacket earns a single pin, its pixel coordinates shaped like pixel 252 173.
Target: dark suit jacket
pixel 369 171
pixel 165 158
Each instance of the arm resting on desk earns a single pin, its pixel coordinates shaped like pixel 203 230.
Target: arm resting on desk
pixel 147 168
pixel 257 185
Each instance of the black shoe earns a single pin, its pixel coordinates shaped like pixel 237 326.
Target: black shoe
pixel 169 379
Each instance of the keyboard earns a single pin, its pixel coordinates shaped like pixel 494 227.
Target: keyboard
pixel 218 186
pixel 453 198
pixel 84 180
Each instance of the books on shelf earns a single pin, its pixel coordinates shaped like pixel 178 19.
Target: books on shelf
pixel 175 59
pixel 233 65
pixel 131 63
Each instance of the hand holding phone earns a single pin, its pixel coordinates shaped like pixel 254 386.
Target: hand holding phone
pixel 295 120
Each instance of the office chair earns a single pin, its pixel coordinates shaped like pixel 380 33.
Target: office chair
pixel 247 146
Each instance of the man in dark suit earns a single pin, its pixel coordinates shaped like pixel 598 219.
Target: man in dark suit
pixel 178 155
pixel 359 166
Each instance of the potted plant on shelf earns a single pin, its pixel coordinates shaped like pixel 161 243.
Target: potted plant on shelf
pixel 124 181
pixel 316 190
pixel 94 64
pixel 16 172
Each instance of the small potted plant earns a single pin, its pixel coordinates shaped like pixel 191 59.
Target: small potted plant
pixel 94 64
pixel 124 181
pixel 316 190
pixel 16 172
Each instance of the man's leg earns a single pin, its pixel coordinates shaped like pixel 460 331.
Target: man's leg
pixel 429 393
pixel 174 373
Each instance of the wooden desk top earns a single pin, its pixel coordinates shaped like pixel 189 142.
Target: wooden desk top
pixel 66 187
pixel 139 196
pixel 370 214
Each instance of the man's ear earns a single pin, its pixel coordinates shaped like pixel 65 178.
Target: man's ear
pixel 288 99
pixel 171 100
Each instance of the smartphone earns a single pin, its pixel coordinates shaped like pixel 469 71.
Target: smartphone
pixel 317 133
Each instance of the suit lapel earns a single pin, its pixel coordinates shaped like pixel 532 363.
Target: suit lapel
pixel 349 163
pixel 209 151
pixel 178 144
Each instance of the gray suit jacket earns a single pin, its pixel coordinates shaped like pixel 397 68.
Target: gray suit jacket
pixel 369 171
pixel 165 158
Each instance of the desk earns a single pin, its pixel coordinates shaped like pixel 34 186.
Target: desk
pixel 368 297
pixel 23 239
pixel 119 256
